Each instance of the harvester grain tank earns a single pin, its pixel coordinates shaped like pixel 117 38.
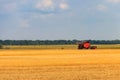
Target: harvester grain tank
pixel 86 45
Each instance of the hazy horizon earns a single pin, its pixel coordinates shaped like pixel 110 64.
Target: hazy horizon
pixel 59 19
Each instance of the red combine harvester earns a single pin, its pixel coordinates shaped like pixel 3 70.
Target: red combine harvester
pixel 86 45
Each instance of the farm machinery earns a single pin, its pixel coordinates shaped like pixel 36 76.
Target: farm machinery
pixel 85 45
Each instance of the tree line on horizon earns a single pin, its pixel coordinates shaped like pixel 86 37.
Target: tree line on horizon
pixel 54 42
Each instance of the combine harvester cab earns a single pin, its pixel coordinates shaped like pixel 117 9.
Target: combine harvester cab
pixel 86 45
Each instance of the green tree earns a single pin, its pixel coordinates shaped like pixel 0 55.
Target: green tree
pixel 1 46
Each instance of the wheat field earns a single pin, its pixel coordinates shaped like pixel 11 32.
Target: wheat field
pixel 106 46
pixel 99 64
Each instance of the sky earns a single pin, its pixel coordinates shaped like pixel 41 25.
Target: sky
pixel 59 19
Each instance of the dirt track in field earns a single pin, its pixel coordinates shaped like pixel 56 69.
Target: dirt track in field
pixel 60 64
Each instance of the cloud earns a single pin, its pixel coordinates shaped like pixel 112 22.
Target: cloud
pixel 63 6
pixel 51 5
pixel 114 1
pixel 102 7
pixel 45 4
pixel 37 6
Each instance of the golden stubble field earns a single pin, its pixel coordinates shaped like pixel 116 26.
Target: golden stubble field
pixel 100 64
